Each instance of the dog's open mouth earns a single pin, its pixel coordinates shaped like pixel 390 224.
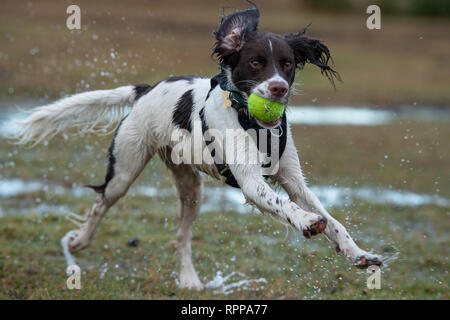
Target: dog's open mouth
pixel 269 125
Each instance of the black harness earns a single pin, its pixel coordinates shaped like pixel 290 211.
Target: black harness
pixel 246 121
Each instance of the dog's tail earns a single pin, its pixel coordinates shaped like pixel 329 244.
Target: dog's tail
pixel 97 111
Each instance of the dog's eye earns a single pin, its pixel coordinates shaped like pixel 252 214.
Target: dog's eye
pixel 287 64
pixel 255 63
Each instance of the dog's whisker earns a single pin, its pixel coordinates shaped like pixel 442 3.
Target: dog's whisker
pixel 296 92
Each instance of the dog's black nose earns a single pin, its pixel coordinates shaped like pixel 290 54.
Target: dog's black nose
pixel 278 89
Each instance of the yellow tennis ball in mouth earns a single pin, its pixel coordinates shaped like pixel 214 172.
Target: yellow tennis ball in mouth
pixel 264 110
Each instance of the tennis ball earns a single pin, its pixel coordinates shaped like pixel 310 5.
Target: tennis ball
pixel 264 110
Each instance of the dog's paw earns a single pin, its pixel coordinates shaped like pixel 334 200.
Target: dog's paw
pixel 315 227
pixel 191 283
pixel 75 240
pixel 367 260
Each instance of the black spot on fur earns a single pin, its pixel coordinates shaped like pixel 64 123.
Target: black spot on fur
pixel 183 110
pixel 189 79
pixel 141 90
pixel 209 92
pixel 261 192
pixel 336 230
pixel 111 163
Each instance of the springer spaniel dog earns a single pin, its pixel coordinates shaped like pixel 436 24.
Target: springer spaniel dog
pixel 201 126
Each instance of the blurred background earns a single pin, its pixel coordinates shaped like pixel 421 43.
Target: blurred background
pixel 403 63
pixel 375 150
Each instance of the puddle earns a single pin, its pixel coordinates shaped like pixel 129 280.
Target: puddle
pixel 338 116
pixel 339 196
pixel 220 198
pixel 351 116
pixel 15 187
pixel 214 198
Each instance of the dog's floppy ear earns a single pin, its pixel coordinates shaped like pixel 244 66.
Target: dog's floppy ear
pixel 311 51
pixel 233 31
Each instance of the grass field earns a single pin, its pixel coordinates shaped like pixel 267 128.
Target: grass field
pixel 141 41
pixel 33 266
pixel 412 239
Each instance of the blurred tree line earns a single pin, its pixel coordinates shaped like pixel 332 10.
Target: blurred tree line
pixel 430 8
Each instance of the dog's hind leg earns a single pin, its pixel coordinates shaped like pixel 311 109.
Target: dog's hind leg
pixel 129 153
pixel 189 186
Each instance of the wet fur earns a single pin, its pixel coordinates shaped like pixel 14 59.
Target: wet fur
pixel 172 106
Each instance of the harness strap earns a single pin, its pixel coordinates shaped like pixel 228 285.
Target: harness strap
pixel 246 121
pixel 222 168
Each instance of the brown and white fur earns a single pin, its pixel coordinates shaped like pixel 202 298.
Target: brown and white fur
pixel 262 63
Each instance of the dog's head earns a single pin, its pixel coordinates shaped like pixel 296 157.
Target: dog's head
pixel 265 63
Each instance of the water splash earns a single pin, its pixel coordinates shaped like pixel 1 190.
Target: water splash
pixel 220 282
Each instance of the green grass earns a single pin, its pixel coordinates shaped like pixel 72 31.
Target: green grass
pixel 32 266
pixel 381 68
pixel 414 240
pixel 406 155
pixel 343 155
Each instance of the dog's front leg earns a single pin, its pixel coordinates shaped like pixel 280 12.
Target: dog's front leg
pixel 291 178
pixel 259 193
